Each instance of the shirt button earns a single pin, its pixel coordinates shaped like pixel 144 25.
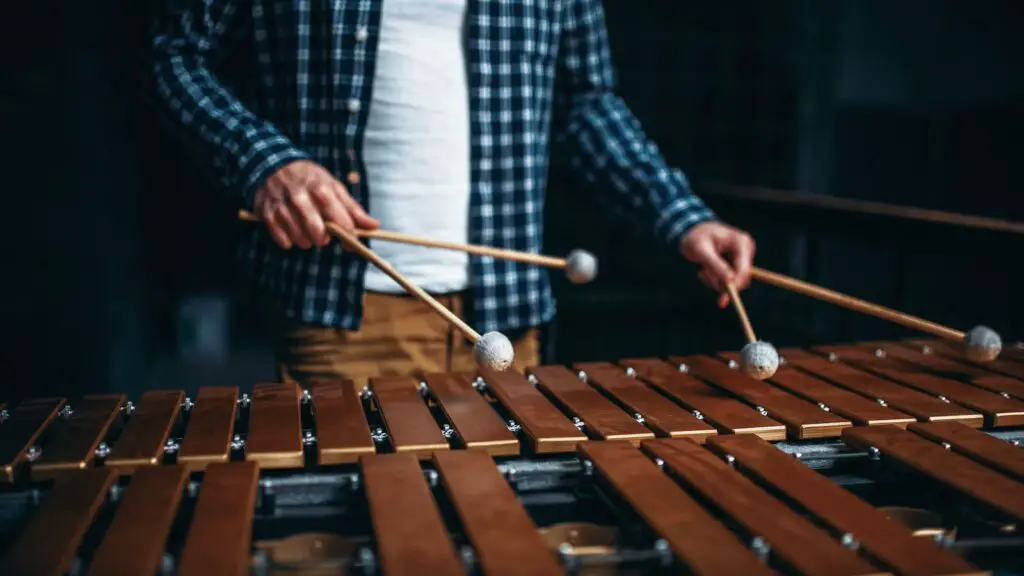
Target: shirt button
pixel 354 178
pixel 362 33
pixel 354 105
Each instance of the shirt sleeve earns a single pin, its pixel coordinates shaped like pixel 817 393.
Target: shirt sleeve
pixel 605 143
pixel 242 149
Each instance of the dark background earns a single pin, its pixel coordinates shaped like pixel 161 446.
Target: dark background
pixel 112 236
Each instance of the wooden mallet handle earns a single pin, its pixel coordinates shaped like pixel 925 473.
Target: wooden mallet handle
pixel 359 248
pixel 855 304
pixel 502 254
pixel 741 311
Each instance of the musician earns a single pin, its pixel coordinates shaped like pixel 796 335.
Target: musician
pixel 429 117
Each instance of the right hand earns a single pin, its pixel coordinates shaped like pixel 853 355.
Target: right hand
pixel 299 197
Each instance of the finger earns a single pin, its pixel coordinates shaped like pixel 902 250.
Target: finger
pixel 333 196
pixel 719 271
pixel 360 218
pixel 743 259
pixel 278 230
pixel 706 277
pixel 307 214
pixel 332 209
pixel 290 222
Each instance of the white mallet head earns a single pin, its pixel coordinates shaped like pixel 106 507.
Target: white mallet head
pixel 494 351
pixel 982 344
pixel 759 360
pixel 580 267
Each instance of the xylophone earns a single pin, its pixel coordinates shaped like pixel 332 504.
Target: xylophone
pixel 871 458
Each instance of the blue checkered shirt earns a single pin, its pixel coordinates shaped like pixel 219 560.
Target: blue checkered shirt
pixel 540 78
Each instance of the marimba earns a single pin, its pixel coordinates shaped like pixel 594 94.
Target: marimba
pixel 874 458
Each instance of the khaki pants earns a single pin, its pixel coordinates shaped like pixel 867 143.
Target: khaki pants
pixel 399 336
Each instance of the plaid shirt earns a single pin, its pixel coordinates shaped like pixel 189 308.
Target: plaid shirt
pixel 540 76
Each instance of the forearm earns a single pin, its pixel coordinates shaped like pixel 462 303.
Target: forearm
pixel 240 147
pixel 610 152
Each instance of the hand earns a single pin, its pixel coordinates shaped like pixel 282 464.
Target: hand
pixel 725 255
pixel 299 197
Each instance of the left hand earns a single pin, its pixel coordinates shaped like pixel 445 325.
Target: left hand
pixel 725 255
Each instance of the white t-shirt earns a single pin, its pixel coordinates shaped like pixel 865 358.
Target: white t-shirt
pixel 416 147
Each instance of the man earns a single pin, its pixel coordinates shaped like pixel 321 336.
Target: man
pixel 438 117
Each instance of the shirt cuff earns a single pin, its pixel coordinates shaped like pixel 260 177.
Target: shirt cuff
pixel 680 216
pixel 265 157
pixel 682 213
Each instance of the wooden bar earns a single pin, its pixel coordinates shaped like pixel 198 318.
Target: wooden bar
pixel 73 443
pixel 1014 351
pixel 548 430
pixel 997 410
pixel 833 506
pixel 727 414
pixel 600 415
pixel 794 540
pixel 22 429
pixel 988 450
pixel 1008 364
pixel 275 426
pixel 49 544
pixel 1000 375
pixel 858 409
pixel 219 538
pixel 505 539
pixel 134 542
pixel 696 538
pixel 477 425
pixel 411 535
pixel 917 404
pixel 342 432
pixel 211 426
pixel 803 420
pixel 409 423
pixel 953 470
pixel 142 441
pixel 662 415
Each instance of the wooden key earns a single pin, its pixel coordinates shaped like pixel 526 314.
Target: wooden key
pixel 211 426
pixel 988 450
pixel 696 538
pixel 803 420
pixel 505 539
pixel 49 544
pixel 833 506
pixel 599 415
pixel 134 542
pixel 219 538
pixel 142 441
pixel 74 440
pixel 997 410
pixel 342 432
pixel 477 425
pixel 659 413
pixel 411 535
pixel 1000 375
pixel 275 426
pixel 793 539
pixel 22 428
pixel 1009 363
pixel 858 409
pixel 953 470
pixel 546 428
pixel 727 414
pixel 917 404
pixel 409 423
